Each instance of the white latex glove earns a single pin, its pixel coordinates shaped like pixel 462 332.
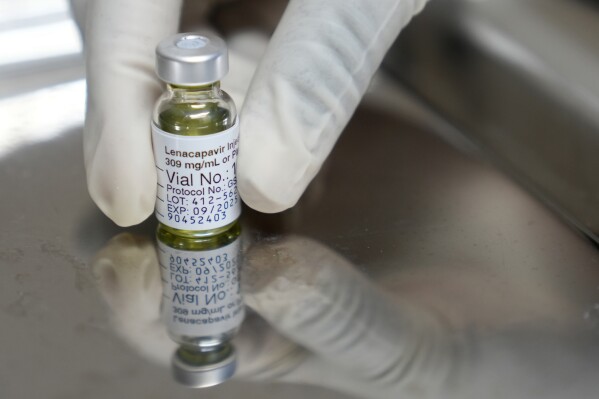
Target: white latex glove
pixel 313 74
pixel 120 40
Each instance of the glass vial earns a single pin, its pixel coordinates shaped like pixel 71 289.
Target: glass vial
pixel 195 134
pixel 202 306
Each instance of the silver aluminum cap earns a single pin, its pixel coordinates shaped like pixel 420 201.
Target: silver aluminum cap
pixel 203 375
pixel 192 59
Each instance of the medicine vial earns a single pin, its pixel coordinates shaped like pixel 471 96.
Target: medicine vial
pixel 195 135
pixel 202 307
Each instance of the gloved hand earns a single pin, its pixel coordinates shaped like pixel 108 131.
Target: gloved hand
pixel 312 76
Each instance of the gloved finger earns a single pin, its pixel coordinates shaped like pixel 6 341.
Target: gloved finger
pixel 315 70
pixel 245 50
pixel 120 40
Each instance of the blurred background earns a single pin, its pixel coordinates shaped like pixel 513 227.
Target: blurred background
pixel 519 79
pixel 41 63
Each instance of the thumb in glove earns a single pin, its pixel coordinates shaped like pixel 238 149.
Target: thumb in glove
pixel 121 37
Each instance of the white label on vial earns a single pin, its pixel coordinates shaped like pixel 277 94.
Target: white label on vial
pixel 197 187
pixel 201 290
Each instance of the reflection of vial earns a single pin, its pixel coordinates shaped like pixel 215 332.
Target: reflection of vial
pixel 195 134
pixel 202 305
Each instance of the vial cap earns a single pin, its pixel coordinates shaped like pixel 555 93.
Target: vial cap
pixel 192 59
pixel 201 375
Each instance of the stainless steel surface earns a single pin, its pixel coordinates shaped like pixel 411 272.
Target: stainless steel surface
pixel 192 59
pixel 408 269
pixel 519 78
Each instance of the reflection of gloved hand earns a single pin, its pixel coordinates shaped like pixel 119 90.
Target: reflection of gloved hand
pixel 128 277
pixel 313 74
pixel 344 334
pixel 129 280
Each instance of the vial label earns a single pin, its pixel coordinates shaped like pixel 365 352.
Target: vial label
pixel 201 290
pixel 197 187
